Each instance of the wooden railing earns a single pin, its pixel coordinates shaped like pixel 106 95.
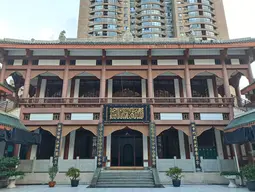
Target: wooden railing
pixel 92 101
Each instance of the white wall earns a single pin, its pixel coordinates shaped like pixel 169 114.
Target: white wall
pixel 48 62
pixel 235 62
pixel 126 62
pixel 41 117
pixel 211 116
pixel 86 62
pixel 168 62
pixel 204 61
pixel 171 116
pixel 82 116
pixel 18 62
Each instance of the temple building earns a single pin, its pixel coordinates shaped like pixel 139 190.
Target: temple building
pixel 105 106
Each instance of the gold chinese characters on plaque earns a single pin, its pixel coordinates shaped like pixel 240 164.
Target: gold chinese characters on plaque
pixel 126 113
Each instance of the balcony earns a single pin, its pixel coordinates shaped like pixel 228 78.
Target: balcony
pixel 157 101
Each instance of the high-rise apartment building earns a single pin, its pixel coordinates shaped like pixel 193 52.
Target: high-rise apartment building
pixel 204 19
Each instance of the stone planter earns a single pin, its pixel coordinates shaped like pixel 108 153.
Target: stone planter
pixel 12 183
pixel 232 182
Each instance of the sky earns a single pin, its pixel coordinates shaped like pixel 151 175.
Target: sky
pixel 45 19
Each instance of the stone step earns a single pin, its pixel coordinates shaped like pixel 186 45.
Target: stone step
pixel 129 180
pixel 126 185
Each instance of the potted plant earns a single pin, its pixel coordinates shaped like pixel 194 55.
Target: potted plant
pixel 248 172
pixel 74 174
pixel 52 174
pixel 9 172
pixel 231 176
pixel 176 174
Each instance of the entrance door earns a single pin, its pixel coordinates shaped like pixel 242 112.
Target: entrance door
pixel 127 148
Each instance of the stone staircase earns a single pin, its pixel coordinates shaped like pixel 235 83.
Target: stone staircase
pixel 125 179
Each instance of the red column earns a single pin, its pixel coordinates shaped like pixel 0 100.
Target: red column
pixel 64 90
pixel 3 72
pixel 187 79
pixel 27 80
pixel 225 79
pixel 65 80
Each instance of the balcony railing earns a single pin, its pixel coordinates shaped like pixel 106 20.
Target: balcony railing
pixel 158 101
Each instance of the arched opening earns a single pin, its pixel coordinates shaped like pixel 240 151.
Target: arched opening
pixel 84 85
pixel 206 84
pixel 84 146
pixel 167 85
pixel 46 149
pixel 125 85
pixel 172 143
pixel 46 85
pixel 127 148
pixel 207 146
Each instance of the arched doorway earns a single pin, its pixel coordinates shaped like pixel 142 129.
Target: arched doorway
pixel 127 148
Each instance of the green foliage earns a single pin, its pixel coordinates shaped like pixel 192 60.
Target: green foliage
pixel 73 173
pixel 8 167
pixel 229 173
pixel 248 172
pixel 53 172
pixel 175 173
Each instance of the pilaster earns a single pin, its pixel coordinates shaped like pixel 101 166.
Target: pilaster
pixel 43 88
pixel 108 149
pixel 219 143
pixel 71 145
pixel 181 144
pixel 145 151
pixel 2 77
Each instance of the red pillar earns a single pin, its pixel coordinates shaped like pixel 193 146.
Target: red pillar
pixel 27 80
pixel 2 77
pixel 225 79
pixel 65 80
pixel 187 79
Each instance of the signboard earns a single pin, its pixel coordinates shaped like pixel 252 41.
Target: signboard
pixel 127 113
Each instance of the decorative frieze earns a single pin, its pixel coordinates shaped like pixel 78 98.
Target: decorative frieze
pixel 195 146
pixel 100 144
pixel 57 144
pixel 153 146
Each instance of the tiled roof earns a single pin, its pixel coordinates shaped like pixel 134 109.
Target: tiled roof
pixel 11 121
pixel 243 120
pixel 158 41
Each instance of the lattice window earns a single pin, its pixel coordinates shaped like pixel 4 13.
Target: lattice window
pixel 68 116
pixel 96 116
pixel 197 116
pixel 56 116
pixel 225 116
pixel 185 116
pixel 157 116
pixel 26 116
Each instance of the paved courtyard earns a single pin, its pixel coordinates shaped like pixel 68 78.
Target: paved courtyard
pixel 82 188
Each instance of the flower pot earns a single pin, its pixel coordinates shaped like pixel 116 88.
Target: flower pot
pixel 52 183
pixel 232 182
pixel 12 183
pixel 176 183
pixel 74 183
pixel 251 185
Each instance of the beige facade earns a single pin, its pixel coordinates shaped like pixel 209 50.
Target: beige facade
pixel 202 19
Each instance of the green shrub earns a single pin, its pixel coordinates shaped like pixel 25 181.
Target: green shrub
pixel 73 173
pixel 228 173
pixel 53 172
pixel 248 172
pixel 175 173
pixel 8 167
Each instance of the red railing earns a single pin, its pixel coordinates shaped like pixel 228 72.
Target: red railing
pixel 127 100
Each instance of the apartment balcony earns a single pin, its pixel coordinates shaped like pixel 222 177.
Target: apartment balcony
pixel 202 102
